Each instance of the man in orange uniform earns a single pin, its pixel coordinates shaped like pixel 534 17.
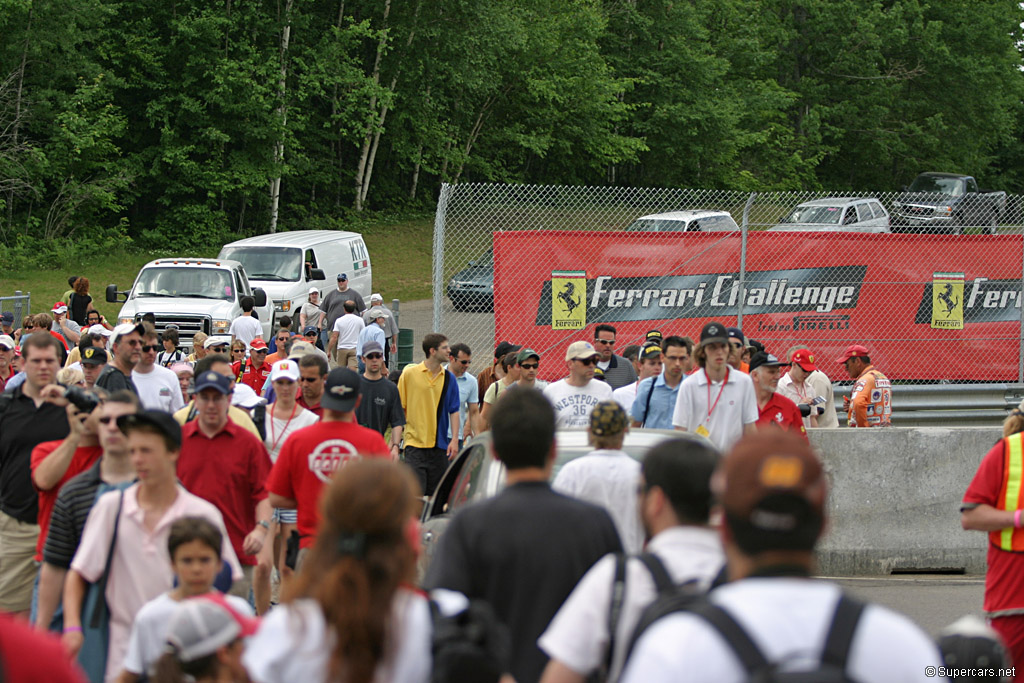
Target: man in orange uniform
pixel 870 402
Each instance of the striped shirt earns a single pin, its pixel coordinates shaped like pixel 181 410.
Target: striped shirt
pixel 70 511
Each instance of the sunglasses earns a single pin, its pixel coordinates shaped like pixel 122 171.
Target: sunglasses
pixel 219 349
pixel 737 345
pixel 609 342
pixel 531 366
pixel 310 379
pixel 151 347
pixel 373 356
pixel 462 362
pixel 30 327
pixel 586 361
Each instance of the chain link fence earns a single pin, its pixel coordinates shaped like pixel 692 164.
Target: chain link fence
pixel 930 282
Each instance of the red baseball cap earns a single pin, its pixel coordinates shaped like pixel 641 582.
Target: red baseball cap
pixel 853 352
pixel 805 359
pixel 258 343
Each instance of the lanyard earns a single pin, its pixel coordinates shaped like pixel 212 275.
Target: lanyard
pixel 712 406
pixel 284 432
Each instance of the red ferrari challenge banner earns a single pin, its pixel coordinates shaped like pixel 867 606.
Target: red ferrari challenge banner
pixel 929 307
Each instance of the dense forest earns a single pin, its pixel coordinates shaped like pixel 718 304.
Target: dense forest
pixel 179 122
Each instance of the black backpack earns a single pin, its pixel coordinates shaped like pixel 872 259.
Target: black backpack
pixel 472 646
pixel 667 592
pixel 831 668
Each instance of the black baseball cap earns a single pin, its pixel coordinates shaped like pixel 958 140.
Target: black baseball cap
pixel 713 333
pixel 736 333
pixel 765 360
pixel 165 422
pixel 504 348
pixel 94 355
pixel 650 350
pixel 342 390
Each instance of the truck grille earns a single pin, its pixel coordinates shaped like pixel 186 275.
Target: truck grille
pixel 188 325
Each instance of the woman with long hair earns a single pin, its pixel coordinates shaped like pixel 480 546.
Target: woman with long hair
pixel 80 302
pixel 351 613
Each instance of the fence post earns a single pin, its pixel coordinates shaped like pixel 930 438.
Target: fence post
pixel 743 260
pixel 439 218
pixel 1020 336
pixel 394 311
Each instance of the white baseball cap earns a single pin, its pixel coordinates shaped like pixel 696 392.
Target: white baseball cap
pixel 6 340
pixel 217 340
pixel 314 290
pixel 376 297
pixel 285 369
pixel 99 329
pixel 125 328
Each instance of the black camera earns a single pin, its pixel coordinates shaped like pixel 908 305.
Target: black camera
pixel 85 401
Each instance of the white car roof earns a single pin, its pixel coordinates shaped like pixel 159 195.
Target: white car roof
pixel 838 201
pixel 192 262
pixel 295 238
pixel 687 215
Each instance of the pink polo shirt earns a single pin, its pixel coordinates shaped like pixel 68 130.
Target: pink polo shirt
pixel 141 568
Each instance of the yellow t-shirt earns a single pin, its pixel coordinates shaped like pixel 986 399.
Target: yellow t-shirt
pixel 420 394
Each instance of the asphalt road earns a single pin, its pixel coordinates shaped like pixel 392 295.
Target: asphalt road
pixel 933 602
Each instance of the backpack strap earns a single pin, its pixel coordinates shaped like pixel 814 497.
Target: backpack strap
pixel 615 607
pixel 746 650
pixel 840 634
pixel 662 580
pixel 647 406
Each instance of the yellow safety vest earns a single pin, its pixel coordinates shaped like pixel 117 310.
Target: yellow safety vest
pixel 1010 538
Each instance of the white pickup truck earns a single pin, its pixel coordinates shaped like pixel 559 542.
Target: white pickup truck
pixel 197 295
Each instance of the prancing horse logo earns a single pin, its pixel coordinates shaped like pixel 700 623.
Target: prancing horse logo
pixel 566 296
pixel 946 297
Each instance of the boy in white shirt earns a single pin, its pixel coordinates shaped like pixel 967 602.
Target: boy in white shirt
pixel 246 327
pixel 195 546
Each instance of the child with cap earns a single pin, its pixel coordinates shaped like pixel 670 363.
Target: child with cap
pixel 195 546
pixel 204 643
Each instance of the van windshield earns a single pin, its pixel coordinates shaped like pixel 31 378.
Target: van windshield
pixel 277 264
pixel 188 283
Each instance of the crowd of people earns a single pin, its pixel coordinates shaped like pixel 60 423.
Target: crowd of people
pixel 248 509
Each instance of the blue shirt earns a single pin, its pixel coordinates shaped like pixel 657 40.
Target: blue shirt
pixel 662 402
pixel 370 333
pixel 467 394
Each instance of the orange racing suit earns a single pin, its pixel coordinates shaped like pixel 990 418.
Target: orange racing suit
pixel 870 402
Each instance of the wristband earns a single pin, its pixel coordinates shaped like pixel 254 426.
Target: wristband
pixel 1016 519
pixel 72 629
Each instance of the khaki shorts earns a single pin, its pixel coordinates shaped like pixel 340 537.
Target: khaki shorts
pixel 17 568
pixel 241 587
pixel 346 358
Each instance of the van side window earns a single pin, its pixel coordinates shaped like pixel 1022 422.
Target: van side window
pixel 310 263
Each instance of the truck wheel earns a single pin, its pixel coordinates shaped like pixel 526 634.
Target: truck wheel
pixel 993 223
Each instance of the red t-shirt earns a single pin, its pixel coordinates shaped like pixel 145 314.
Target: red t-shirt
pixel 782 412
pixel 317 410
pixel 230 470
pixel 84 458
pixel 253 378
pixel 1004 580
pixel 33 657
pixel 308 460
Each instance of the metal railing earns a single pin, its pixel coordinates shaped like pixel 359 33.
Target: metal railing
pixel 952 405
pixel 19 304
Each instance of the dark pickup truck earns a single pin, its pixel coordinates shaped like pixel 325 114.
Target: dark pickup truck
pixel 946 202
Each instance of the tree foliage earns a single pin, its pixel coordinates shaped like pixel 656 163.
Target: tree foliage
pixel 171 122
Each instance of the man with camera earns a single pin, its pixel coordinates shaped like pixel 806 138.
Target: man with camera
pixel 810 389
pixel 26 420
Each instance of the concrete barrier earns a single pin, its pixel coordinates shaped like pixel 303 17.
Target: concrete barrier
pixel 895 499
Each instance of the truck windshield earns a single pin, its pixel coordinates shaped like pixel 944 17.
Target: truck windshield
pixel 827 215
pixel 276 264
pixel 929 183
pixel 188 283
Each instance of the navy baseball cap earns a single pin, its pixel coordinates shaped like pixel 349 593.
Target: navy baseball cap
pixel 7 317
pixel 213 380
pixel 341 391
pixel 736 333
pixel 310 329
pixel 342 276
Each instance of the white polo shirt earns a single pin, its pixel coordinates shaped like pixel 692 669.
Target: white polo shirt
pixel 788 619
pixel 722 410
pixel 578 635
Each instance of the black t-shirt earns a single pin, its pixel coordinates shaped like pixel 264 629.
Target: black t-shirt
pixel 381 405
pixel 113 380
pixel 23 426
pixel 523 551
pixel 78 307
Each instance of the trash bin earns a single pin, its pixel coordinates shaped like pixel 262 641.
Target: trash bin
pixel 405 347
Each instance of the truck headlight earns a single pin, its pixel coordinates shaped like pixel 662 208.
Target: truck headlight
pixel 944 211
pixel 897 205
pixel 221 326
pixel 283 306
pixel 122 321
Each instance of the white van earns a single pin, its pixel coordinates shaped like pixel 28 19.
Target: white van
pixel 286 264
